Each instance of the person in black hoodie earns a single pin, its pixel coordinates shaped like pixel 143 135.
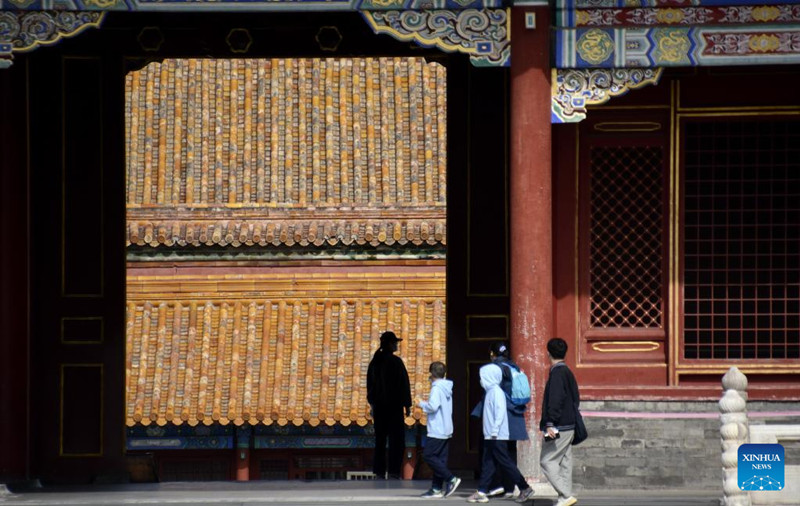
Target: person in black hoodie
pixel 389 395
pixel 559 405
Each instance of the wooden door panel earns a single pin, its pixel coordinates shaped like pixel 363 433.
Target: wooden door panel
pixel 77 219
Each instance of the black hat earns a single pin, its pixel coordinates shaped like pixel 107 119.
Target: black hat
pixel 389 337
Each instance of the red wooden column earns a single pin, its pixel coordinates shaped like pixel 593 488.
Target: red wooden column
pixel 244 436
pixel 531 214
pixel 243 465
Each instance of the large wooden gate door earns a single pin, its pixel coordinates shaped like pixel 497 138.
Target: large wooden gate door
pixel 76 141
pixel 77 224
pixel 477 228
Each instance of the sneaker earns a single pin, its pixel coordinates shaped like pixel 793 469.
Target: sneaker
pixel 569 501
pixel 451 486
pixel 524 495
pixel 433 494
pixel 478 496
pixel 514 493
pixel 496 492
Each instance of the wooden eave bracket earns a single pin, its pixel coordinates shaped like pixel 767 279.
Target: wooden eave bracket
pixel 26 30
pixel 573 90
pixel 483 34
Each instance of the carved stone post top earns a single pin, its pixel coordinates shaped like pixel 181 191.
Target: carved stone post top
pixel 734 379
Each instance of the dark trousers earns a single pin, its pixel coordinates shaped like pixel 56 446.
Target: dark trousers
pixel 435 455
pixel 389 425
pixel 501 480
pixel 497 451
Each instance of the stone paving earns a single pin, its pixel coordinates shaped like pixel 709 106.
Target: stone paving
pixel 298 493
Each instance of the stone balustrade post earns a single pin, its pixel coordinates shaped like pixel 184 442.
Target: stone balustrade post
pixel 734 432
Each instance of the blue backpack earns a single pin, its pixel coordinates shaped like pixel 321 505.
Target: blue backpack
pixel 520 386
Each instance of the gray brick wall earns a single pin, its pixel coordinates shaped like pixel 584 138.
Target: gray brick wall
pixel 647 453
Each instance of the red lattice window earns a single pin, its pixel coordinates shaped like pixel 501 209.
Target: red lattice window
pixel 626 237
pixel 741 268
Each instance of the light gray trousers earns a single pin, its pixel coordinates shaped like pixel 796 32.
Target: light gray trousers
pixel 556 461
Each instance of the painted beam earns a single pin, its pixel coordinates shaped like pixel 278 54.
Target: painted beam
pixel 679 16
pixel 246 5
pixel 612 4
pixel 677 46
pixel 179 443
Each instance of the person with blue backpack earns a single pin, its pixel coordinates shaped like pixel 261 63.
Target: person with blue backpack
pixel 495 438
pixel 517 388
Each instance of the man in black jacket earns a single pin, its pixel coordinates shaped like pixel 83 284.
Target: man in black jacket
pixel 389 395
pixel 561 400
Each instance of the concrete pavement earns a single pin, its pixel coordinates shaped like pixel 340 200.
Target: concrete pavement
pixel 298 493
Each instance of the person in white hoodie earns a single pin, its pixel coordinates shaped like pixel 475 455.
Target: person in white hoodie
pixel 439 408
pixel 495 434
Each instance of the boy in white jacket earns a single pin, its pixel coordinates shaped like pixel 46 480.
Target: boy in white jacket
pixel 495 434
pixel 439 408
